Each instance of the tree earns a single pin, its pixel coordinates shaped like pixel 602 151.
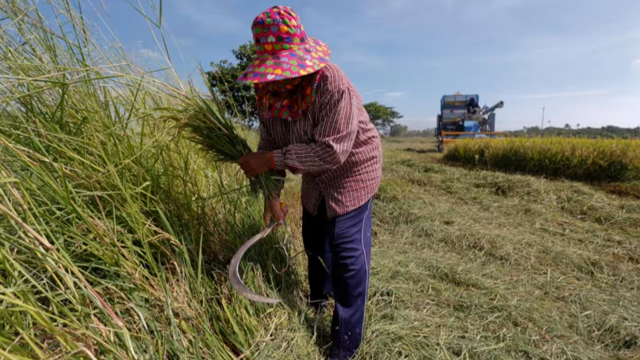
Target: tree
pixel 238 99
pixel 382 116
pixel 420 133
pixel 398 130
pixel 567 127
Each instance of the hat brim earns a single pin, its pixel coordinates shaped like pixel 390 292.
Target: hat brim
pixel 298 60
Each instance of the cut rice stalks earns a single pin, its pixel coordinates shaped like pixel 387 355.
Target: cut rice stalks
pixel 209 126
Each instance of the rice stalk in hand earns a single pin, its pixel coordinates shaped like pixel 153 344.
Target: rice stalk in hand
pixel 209 126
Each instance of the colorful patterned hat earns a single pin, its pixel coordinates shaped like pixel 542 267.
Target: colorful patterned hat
pixel 283 49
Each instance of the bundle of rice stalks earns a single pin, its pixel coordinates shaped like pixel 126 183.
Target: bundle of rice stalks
pixel 220 135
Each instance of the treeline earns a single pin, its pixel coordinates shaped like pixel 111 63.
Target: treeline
pixel 399 130
pixel 606 132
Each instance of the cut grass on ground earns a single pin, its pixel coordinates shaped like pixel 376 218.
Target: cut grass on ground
pixel 483 265
pixel 492 266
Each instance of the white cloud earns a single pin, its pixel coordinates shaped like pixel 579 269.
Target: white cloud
pixel 552 48
pixel 563 94
pixel 635 64
pixel 355 56
pixel 412 11
pixel 394 94
pixel 507 4
pixel 142 55
pixel 207 16
pixel 149 54
pixel 371 92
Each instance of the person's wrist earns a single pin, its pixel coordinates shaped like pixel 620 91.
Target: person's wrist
pixel 272 160
pixel 278 160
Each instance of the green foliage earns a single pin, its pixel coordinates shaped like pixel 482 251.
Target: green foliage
pixel 382 116
pixel 238 99
pixel 575 159
pixel 421 133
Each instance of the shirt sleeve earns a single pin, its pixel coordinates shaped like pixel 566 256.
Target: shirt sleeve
pixel 334 137
pixel 266 144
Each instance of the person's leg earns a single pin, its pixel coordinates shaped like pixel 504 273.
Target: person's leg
pixel 351 255
pixel 316 244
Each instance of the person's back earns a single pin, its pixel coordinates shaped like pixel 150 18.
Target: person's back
pixel 346 165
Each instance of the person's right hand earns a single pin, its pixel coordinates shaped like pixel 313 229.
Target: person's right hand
pixel 274 210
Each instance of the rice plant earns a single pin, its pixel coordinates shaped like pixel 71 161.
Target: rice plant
pixel 208 125
pixel 114 229
pixel 595 160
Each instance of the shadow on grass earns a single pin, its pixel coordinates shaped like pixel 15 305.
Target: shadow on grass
pixel 223 231
pixel 270 256
pixel 631 190
pixel 421 151
pixel 318 325
pixel 280 272
pixel 278 268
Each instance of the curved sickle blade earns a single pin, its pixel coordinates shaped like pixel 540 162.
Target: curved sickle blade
pixel 234 274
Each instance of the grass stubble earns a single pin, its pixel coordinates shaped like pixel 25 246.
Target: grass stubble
pixel 485 265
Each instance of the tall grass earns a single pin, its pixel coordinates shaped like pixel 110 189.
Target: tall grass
pixel 114 230
pixel 608 160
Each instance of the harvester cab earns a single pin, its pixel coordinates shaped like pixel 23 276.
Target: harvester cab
pixel 461 117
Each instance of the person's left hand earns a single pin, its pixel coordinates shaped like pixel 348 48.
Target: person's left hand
pixel 256 163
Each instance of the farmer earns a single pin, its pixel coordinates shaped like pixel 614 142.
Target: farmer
pixel 472 106
pixel 312 122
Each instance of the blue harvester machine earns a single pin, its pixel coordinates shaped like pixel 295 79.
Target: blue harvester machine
pixel 461 117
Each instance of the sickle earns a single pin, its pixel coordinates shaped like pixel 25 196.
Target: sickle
pixel 234 274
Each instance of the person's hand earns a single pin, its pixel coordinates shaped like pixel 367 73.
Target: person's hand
pixel 256 163
pixel 274 210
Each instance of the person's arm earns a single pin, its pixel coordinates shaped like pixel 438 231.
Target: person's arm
pixel 273 207
pixel 334 137
pixel 266 144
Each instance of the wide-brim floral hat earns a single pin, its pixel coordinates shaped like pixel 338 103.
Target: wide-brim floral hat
pixel 283 48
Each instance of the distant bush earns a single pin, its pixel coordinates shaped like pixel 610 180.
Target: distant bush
pixel 602 160
pixel 398 130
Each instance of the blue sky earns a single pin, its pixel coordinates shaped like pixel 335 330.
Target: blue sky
pixel 578 58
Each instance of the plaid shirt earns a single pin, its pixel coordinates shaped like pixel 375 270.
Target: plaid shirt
pixel 335 147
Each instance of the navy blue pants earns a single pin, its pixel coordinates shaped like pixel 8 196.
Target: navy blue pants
pixel 339 255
